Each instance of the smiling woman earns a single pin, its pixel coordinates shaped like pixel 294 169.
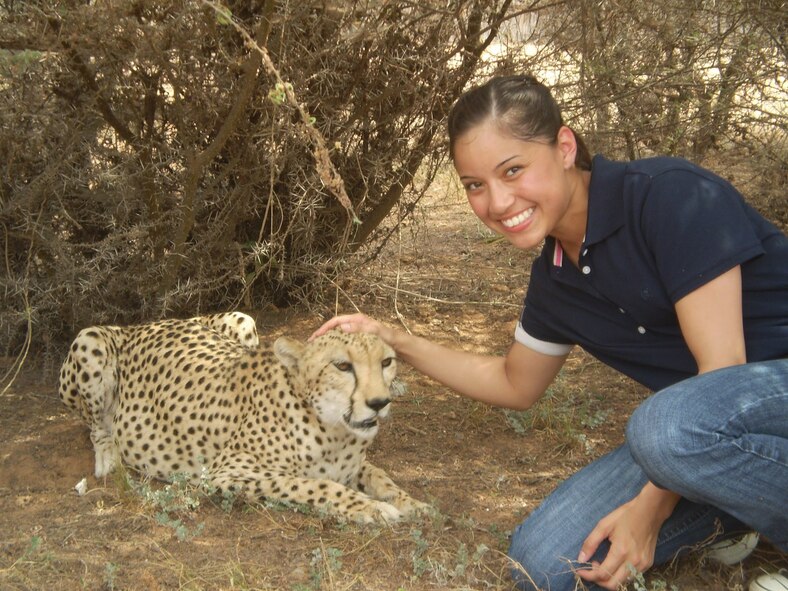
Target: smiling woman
pixel 670 278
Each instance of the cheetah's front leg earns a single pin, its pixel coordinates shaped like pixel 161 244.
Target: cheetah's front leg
pixel 88 384
pixel 377 484
pixel 241 475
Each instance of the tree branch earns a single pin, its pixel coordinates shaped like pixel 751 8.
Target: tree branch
pixel 197 162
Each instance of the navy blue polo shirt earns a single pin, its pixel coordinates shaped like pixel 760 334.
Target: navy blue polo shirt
pixel 657 229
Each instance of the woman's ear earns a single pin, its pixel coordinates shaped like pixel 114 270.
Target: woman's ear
pixel 567 143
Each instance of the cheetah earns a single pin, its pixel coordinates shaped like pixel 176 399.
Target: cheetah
pixel 289 421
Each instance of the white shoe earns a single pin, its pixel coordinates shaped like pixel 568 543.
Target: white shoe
pixel 734 550
pixel 771 582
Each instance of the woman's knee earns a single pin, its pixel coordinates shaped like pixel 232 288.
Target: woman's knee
pixel 677 426
pixel 538 562
pixel 649 430
pixel 661 434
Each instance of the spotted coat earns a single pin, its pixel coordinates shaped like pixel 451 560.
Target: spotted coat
pixel 288 421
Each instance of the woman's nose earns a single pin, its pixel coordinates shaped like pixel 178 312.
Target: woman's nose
pixel 500 198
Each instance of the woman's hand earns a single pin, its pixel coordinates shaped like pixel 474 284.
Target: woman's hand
pixel 632 530
pixel 356 323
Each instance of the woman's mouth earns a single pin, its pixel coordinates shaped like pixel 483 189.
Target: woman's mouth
pixel 521 217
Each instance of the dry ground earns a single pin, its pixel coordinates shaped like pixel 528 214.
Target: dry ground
pixel 442 276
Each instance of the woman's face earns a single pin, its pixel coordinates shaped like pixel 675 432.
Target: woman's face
pixel 520 189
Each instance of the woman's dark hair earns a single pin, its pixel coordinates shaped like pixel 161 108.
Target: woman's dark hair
pixel 521 105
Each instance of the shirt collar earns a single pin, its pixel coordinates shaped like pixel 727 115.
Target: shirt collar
pixel 605 199
pixel 605 207
pixel 558 253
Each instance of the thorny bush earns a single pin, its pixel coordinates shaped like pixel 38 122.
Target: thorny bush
pixel 174 158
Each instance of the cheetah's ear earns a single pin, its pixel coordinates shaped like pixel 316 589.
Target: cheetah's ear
pixel 288 351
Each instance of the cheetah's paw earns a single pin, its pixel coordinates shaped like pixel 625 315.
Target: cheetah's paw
pixel 106 460
pixel 377 512
pixel 413 508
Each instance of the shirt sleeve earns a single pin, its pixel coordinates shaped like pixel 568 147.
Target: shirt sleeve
pixel 544 347
pixel 537 326
pixel 697 228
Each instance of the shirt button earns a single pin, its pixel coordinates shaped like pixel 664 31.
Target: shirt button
pixel 585 252
pixel 586 270
pixel 622 310
pixel 641 330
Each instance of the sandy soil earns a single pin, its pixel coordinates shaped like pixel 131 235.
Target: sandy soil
pixel 484 470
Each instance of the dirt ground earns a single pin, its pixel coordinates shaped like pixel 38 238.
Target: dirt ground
pixel 484 470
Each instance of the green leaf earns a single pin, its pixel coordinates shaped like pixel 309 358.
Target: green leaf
pixel 224 16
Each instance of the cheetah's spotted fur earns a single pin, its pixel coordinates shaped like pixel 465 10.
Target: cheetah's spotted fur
pixel 288 422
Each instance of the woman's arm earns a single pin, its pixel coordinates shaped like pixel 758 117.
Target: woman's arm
pixel 515 381
pixel 711 322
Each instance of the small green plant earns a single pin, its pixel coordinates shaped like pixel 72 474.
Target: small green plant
pixel 35 545
pixel 172 503
pixel 417 556
pixel 33 562
pixel 16 62
pixel 446 565
pixel 398 388
pixel 179 495
pixel 175 501
pixel 563 415
pixel 325 562
pixel 462 562
pixel 182 531
pixel 228 497
pixel 32 549
pixel 501 535
pixel 639 582
pixel 481 551
pixel 282 506
pixel 110 572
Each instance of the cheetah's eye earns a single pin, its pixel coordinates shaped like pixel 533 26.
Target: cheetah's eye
pixel 387 361
pixel 344 366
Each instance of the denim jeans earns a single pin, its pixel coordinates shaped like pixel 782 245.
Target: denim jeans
pixel 720 440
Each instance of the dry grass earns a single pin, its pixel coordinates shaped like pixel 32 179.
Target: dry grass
pixel 482 469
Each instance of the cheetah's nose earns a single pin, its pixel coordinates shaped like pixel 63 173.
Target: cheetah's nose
pixel 378 404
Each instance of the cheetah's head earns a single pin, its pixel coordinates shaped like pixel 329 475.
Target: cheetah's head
pixel 345 376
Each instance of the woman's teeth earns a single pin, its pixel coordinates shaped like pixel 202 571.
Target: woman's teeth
pixel 518 219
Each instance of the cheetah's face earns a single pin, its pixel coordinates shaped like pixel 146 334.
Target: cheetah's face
pixel 346 377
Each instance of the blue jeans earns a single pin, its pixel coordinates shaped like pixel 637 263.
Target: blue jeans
pixel 720 440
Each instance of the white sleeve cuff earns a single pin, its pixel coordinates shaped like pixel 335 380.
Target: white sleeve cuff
pixel 544 347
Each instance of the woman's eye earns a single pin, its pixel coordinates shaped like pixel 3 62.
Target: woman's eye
pixel 472 186
pixel 513 170
pixel 344 366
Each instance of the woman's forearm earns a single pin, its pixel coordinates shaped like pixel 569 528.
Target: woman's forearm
pixel 500 381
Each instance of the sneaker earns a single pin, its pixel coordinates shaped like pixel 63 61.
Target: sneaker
pixel 733 550
pixel 771 582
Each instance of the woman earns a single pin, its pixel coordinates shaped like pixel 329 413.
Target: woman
pixel 662 271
